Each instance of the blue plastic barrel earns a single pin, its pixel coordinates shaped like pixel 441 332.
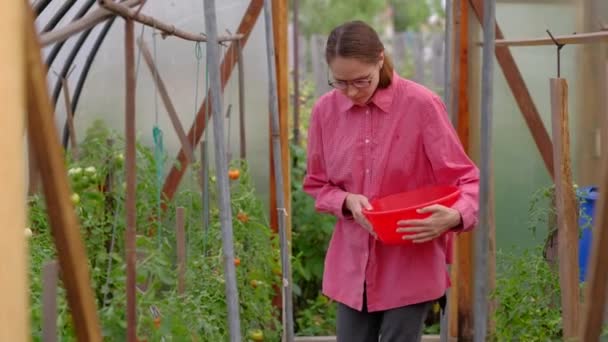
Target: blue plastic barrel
pixel 587 196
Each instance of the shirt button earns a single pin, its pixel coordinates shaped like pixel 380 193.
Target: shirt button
pixel 367 112
pixel 366 170
pixel 367 141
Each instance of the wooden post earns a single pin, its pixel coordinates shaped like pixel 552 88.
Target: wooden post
pixel 241 77
pixel 213 63
pixel 63 221
pixel 521 94
pixel 566 206
pixel 461 296
pixel 69 117
pixel 130 197
pixel 13 255
pixel 180 237
pixel 200 122
pixel 277 67
pixel 49 301
pixel 279 20
pixel 597 286
pixel 164 94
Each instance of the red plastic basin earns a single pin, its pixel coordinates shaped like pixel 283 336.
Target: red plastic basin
pixel 387 211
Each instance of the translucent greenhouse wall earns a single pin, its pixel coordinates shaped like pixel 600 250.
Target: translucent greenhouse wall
pixel 519 169
pixel 103 94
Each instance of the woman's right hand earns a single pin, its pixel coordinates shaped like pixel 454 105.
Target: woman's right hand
pixel 355 204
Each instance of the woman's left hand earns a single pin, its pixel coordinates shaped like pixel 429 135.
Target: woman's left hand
pixel 442 219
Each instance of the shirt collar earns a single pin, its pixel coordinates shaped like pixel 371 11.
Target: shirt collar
pixel 382 98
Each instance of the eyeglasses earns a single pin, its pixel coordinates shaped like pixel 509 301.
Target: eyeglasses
pixel 359 83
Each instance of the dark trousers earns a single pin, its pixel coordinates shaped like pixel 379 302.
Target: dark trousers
pixel 404 324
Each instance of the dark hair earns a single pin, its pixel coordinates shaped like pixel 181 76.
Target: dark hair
pixel 356 39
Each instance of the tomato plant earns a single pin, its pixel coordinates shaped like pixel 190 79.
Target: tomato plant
pixel 98 191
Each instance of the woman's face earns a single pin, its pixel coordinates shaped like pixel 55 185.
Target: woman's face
pixel 355 79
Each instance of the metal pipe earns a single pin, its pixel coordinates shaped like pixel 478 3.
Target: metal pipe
pixel 241 77
pixel 482 235
pixel 84 73
pixel 40 6
pixel 296 74
pixel 58 16
pixel 288 328
pixel 447 55
pixel 88 22
pixel 53 54
pixel 221 167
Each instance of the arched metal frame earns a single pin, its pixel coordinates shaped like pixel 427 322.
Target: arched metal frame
pixel 39 7
pixel 53 54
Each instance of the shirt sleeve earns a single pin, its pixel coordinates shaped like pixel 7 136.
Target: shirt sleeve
pixel 328 197
pixel 450 163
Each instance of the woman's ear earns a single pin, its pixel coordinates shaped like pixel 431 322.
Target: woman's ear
pixel 381 59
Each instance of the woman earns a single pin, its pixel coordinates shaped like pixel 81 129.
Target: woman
pixel 377 134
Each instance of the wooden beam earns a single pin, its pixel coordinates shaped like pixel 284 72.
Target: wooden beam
pixel 14 295
pixel 521 94
pixel 62 217
pixel 165 28
pixel 130 169
pixel 164 94
pixel 200 122
pixel 70 117
pixel 566 206
pixel 597 286
pixel 580 38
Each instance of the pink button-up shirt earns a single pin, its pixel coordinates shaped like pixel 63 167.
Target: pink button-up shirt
pixel 401 140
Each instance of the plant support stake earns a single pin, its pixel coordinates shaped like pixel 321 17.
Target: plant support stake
pixel 277 162
pixel 222 171
pixel 481 244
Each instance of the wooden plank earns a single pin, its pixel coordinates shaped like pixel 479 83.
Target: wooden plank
pixel 566 206
pixel 579 38
pixel 62 218
pixel 164 94
pixel 425 338
pixel 200 122
pixel 49 301
pixel 14 293
pixel 180 237
pixel 521 94
pixel 130 169
pixel 597 285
